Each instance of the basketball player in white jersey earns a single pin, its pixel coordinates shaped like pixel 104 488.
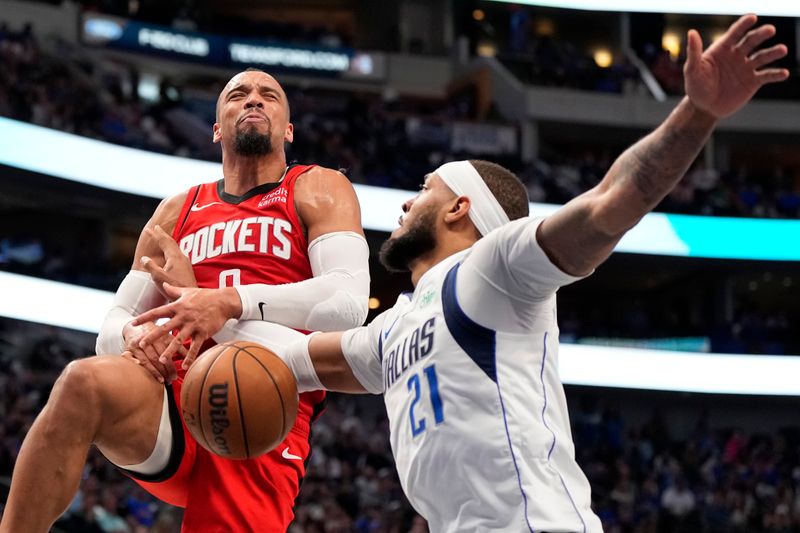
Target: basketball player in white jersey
pixel 468 362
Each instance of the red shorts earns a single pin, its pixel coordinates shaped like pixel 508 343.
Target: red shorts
pixel 231 496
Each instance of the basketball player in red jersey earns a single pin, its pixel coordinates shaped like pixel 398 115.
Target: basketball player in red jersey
pixel 291 238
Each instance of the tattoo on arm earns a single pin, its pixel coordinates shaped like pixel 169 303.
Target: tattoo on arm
pixel 656 163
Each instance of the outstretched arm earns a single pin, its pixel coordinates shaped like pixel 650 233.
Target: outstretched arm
pixel 718 82
pixel 348 361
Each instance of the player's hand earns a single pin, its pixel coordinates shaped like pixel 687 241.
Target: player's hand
pixel 196 314
pixel 725 77
pixel 176 270
pixel 149 355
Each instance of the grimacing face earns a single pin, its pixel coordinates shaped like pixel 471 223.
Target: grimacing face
pixel 253 105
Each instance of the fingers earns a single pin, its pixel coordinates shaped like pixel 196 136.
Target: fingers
pixel 164 311
pixel 142 361
pixel 771 75
pixel 157 332
pixel 153 358
pixel 768 55
pixel 172 291
pixel 738 30
pixel 166 242
pixel 167 364
pixel 755 37
pixel 194 349
pixel 171 349
pixel 154 269
pixel 694 49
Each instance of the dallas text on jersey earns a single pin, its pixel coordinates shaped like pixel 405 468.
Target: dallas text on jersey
pixel 408 351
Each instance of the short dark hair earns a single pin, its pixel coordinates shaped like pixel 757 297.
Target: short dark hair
pixel 505 186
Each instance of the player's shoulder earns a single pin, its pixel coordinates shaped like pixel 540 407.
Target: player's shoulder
pixel 172 204
pixel 168 210
pixel 324 184
pixel 507 233
pixel 323 175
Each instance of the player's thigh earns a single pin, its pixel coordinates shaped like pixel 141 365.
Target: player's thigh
pixel 127 400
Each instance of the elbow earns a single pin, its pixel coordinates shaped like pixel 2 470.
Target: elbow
pixel 344 310
pixel 612 214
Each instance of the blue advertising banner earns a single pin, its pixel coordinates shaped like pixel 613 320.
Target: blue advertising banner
pixel 122 34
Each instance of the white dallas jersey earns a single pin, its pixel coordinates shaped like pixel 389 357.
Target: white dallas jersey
pixel 468 364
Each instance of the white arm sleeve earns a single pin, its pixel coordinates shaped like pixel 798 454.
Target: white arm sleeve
pixel 506 276
pixel 290 345
pixel 360 347
pixel 136 294
pixel 334 299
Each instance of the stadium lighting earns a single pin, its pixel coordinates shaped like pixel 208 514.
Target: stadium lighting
pixel 599 366
pixel 152 175
pixel 698 7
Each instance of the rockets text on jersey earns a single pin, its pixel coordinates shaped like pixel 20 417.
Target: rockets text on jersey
pixel 262 235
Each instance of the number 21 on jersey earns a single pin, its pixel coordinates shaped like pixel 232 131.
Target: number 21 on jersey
pixel 418 426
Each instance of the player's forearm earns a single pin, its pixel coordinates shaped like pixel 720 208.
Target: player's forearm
pixel 333 301
pixel 317 362
pixel 643 175
pixel 582 234
pixel 137 293
pixel 330 364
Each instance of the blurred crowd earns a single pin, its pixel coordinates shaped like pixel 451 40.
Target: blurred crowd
pixel 646 477
pixel 546 61
pixel 558 176
pixel 716 480
pixel 380 140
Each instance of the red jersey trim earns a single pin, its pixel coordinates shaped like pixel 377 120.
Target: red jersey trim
pixel 191 196
pixel 289 181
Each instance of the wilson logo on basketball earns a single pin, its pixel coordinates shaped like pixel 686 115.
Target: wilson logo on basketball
pixel 218 400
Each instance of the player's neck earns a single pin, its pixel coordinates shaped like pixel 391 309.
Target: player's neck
pixel 243 173
pixel 448 246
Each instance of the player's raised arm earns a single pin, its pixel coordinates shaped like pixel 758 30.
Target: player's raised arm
pixel 719 81
pixel 348 361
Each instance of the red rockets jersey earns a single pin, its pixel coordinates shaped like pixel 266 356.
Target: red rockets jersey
pixel 241 240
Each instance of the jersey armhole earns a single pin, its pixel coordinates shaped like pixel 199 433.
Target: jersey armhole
pixel 185 210
pixel 289 182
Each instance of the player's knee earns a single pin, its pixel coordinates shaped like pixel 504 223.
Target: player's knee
pixel 78 387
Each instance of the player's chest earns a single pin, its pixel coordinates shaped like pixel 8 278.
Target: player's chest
pixel 247 233
pixel 410 336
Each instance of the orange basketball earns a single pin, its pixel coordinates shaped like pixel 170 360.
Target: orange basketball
pixel 239 400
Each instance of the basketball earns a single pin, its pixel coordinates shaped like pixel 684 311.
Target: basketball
pixel 239 400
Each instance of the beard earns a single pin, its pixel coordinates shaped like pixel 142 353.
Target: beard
pixel 397 253
pixel 252 143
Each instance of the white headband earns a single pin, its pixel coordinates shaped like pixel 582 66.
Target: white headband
pixel 485 211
